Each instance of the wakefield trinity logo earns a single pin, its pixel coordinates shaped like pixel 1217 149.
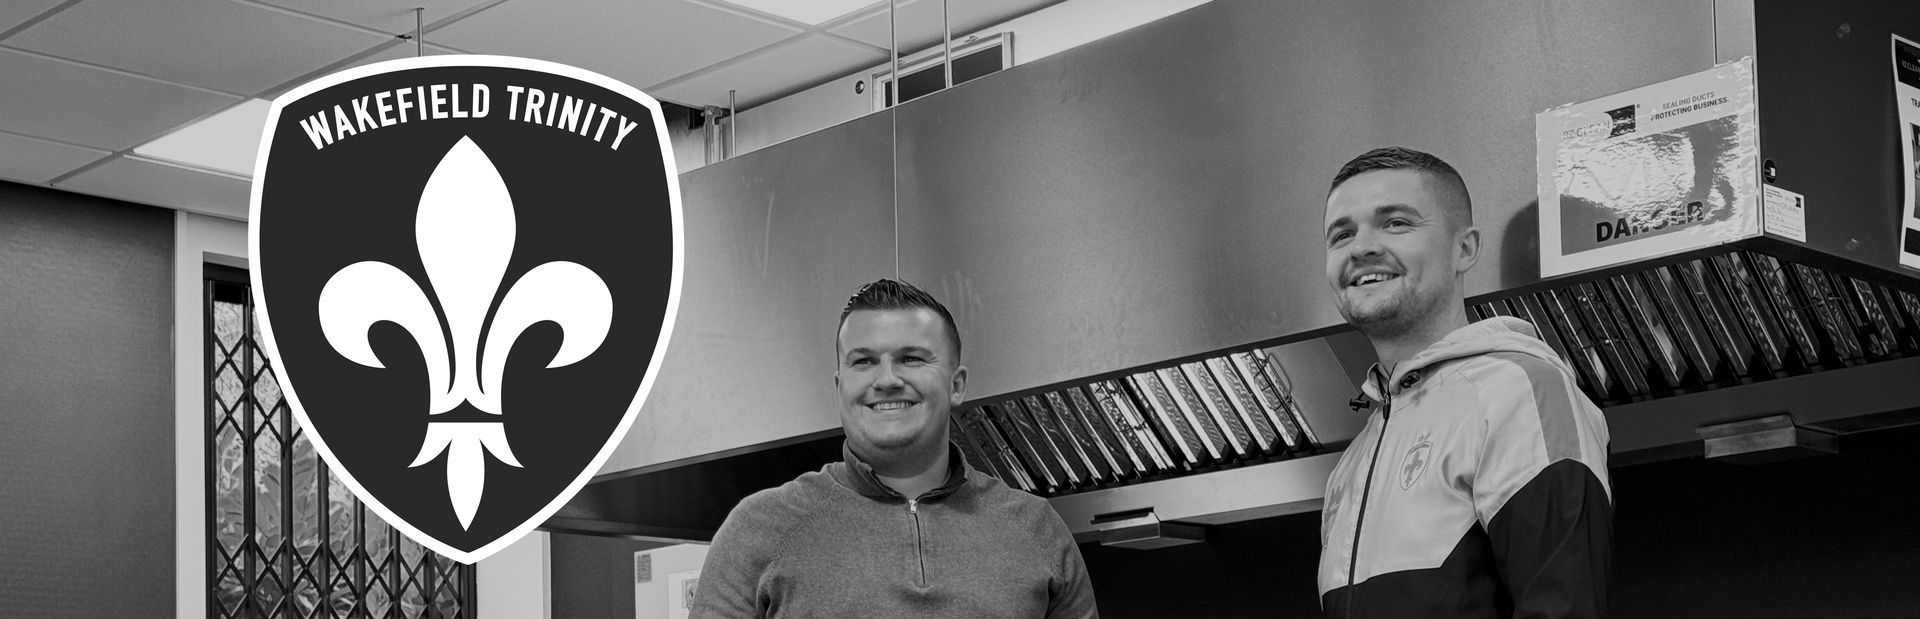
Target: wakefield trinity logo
pixel 466 269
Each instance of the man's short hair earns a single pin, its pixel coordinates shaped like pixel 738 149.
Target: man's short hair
pixel 1439 173
pixel 888 294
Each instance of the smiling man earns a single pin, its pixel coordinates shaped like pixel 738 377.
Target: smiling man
pixel 902 527
pixel 1479 486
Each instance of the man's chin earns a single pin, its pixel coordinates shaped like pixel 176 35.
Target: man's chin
pixel 1379 319
pixel 1372 310
pixel 888 442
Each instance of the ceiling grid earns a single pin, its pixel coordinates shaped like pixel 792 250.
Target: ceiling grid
pixel 89 81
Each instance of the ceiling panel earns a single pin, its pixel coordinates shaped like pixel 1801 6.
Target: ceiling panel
pixel 382 15
pixel 395 51
pixel 228 141
pixel 16 12
pixel 217 44
pixel 919 21
pixel 813 12
pixel 773 72
pixel 33 160
pixel 101 76
pixel 640 43
pixel 159 184
pixel 93 107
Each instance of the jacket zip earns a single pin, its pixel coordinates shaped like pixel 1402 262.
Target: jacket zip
pixel 919 547
pixel 1353 559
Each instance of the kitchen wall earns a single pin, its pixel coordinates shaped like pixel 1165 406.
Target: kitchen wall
pixel 593 576
pixel 86 415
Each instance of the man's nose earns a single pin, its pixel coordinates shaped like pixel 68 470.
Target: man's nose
pixel 1364 243
pixel 886 379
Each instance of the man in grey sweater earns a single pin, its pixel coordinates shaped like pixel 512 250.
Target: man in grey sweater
pixel 902 527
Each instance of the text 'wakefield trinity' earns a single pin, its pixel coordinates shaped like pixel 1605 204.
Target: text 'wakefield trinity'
pixel 443 101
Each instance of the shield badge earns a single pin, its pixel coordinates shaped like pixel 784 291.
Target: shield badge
pixel 466 269
pixel 1414 462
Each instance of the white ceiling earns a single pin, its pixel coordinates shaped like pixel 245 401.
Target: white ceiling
pixel 84 82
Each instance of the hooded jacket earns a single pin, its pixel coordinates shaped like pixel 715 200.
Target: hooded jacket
pixel 839 543
pixel 1478 487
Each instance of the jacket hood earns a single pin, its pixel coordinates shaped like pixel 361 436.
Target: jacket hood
pixel 1496 334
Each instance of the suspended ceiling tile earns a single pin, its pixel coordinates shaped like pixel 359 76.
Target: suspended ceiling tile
pixel 814 12
pixel 773 72
pixel 391 52
pixel 637 43
pixel 218 44
pixel 33 160
pixel 404 49
pixel 159 184
pixel 93 107
pixel 16 12
pixel 382 15
pixel 919 21
pixel 228 141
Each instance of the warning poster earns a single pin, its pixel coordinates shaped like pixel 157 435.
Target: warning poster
pixel 1656 170
pixel 1906 95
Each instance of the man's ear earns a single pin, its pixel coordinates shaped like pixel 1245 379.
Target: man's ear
pixel 959 393
pixel 1467 250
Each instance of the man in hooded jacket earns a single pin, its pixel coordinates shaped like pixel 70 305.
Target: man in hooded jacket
pixel 1479 486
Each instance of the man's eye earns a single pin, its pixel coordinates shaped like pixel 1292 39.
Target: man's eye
pixel 860 363
pixel 1399 223
pixel 913 360
pixel 1338 237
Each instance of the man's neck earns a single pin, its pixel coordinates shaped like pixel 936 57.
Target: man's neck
pixel 1396 349
pixel 912 474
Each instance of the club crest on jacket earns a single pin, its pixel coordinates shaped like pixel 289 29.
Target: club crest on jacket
pixel 1414 463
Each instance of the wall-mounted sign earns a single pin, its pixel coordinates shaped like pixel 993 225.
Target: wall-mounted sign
pixel 1906 98
pixel 1655 170
pixel 680 591
pixel 1785 213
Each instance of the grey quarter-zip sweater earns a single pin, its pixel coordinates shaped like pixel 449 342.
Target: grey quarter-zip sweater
pixel 838 543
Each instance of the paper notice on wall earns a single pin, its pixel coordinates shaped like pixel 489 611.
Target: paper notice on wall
pixel 1786 213
pixel 1659 169
pixel 681 587
pixel 1906 96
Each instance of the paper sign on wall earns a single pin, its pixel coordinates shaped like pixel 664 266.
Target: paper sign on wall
pixel 1655 170
pixel 1786 213
pixel 681 587
pixel 1906 97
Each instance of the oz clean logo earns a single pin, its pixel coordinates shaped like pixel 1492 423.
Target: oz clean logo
pixel 467 268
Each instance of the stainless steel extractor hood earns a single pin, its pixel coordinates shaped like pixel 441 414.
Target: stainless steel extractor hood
pixel 1080 269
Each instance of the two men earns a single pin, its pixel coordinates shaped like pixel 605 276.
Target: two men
pixel 1479 485
pixel 901 527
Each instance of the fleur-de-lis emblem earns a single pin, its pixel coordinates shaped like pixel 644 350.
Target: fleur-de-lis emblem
pixel 1415 461
pixel 465 233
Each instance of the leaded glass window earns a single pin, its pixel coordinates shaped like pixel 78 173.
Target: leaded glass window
pixel 285 538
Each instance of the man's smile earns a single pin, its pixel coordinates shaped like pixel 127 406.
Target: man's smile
pixel 890 405
pixel 1370 276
